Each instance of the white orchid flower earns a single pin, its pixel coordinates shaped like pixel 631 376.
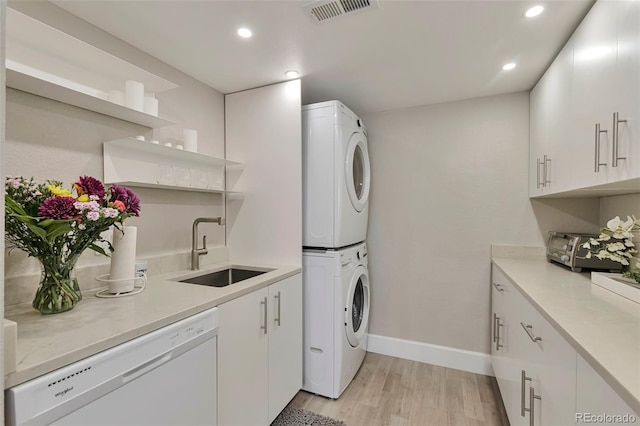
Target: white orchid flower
pixel 629 243
pixel 613 224
pixel 615 246
pixel 628 224
pixel 588 256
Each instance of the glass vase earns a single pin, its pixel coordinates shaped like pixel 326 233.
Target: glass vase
pixel 58 290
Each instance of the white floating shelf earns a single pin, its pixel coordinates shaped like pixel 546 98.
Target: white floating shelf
pixel 132 144
pixel 173 187
pixel 43 88
pixel 45 61
pixel 132 162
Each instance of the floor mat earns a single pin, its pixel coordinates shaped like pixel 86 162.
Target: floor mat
pixel 298 417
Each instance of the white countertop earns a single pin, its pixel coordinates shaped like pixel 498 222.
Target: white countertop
pixel 48 342
pixel 603 327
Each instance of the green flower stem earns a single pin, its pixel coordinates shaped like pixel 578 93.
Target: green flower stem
pixel 58 290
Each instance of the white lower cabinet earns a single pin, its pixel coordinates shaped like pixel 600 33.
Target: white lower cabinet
pixel 597 402
pixel 285 343
pixel 260 353
pixel 542 379
pixel 534 366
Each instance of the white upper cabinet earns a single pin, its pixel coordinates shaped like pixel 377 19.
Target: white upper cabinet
pixel 549 105
pixel 585 109
pixel 627 93
pixel 594 68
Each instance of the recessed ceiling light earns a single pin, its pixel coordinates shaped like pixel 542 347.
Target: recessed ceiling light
pixel 508 66
pixel 534 11
pixel 292 74
pixel 244 32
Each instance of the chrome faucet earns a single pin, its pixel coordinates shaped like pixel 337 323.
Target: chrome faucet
pixel 195 251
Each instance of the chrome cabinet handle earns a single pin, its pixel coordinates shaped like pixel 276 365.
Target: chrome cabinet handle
pixel 277 318
pixel 616 136
pixel 529 330
pixel 498 325
pixel 596 157
pixel 523 379
pixel 264 327
pixel 538 164
pixel 495 328
pixel 532 400
pixel 545 169
pixel 498 287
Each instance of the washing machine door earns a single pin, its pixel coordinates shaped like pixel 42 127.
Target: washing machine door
pixel 357 171
pixel 357 306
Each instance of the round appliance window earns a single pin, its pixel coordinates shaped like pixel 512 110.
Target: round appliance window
pixel 357 171
pixel 357 307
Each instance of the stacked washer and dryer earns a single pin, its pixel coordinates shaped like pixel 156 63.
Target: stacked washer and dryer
pixel 336 182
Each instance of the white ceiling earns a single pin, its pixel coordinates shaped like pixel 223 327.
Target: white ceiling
pixel 403 54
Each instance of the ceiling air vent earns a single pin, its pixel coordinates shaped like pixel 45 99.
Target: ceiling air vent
pixel 324 10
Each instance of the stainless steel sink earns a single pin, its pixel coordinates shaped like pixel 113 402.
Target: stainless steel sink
pixel 223 278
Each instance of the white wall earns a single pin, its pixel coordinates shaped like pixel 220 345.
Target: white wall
pixel 620 205
pixel 447 181
pixel 50 140
pixel 264 132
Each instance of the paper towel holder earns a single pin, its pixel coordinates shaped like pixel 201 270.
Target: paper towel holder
pixel 139 283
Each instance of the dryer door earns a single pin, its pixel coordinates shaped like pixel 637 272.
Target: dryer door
pixel 357 171
pixel 357 309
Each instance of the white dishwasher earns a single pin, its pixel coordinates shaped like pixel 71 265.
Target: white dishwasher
pixel 166 377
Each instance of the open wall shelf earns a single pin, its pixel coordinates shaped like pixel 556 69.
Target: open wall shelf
pixel 131 162
pixel 47 62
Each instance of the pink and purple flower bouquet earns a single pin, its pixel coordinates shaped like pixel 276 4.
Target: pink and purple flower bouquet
pixel 55 225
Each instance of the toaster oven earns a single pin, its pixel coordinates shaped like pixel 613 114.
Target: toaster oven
pixel 566 249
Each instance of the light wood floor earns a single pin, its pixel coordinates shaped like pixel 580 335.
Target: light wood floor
pixel 393 391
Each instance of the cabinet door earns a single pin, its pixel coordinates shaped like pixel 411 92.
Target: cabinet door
pixel 627 92
pixel 538 120
pixel 285 343
pixel 550 106
pixel 243 361
pixel 594 67
pixel 549 363
pixel 505 366
pixel 596 397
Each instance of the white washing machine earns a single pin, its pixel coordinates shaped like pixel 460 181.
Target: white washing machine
pixel 336 315
pixel 335 176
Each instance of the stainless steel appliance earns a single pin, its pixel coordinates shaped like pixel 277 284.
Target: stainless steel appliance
pixel 566 249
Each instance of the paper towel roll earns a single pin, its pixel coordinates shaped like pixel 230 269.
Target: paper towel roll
pixel 190 137
pixel 123 260
pixel 151 104
pixel 134 95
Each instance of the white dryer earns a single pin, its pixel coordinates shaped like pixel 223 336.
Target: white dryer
pixel 336 316
pixel 335 176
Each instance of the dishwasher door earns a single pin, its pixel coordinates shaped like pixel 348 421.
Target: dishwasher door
pixel 166 377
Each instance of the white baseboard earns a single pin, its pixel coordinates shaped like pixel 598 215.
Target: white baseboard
pixel 474 362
